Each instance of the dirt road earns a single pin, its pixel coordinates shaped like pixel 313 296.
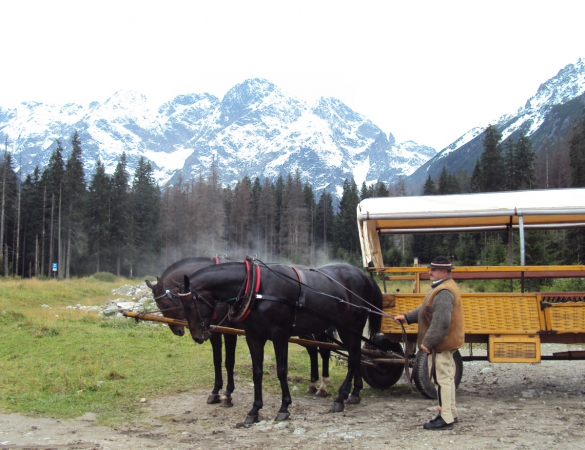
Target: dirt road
pixel 501 406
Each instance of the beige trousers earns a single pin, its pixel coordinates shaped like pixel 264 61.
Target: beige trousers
pixel 442 374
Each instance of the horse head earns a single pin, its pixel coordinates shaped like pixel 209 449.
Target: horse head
pixel 198 312
pixel 168 304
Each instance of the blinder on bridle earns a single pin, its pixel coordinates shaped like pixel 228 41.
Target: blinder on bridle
pixel 194 297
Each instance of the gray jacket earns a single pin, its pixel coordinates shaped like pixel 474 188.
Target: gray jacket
pixel 442 310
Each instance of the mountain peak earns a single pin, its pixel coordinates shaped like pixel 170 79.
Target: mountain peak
pixel 566 86
pixel 255 130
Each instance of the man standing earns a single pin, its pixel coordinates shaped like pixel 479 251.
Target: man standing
pixel 440 334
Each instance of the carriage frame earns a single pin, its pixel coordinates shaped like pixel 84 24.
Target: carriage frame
pixel 513 325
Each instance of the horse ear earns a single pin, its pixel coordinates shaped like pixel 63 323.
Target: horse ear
pixel 186 282
pixel 159 281
pixel 149 284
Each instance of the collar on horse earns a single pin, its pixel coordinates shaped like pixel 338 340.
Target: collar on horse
pixel 241 308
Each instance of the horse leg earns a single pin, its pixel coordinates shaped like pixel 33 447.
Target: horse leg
pixel 281 352
pixel 256 347
pixel 343 392
pixel 313 357
pixel 325 356
pixel 215 340
pixel 230 361
pixel 354 370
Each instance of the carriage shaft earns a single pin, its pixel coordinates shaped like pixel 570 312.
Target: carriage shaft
pixel 227 330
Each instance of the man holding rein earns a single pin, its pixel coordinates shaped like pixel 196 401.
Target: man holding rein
pixel 440 334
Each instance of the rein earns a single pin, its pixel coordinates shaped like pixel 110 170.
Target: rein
pixel 374 309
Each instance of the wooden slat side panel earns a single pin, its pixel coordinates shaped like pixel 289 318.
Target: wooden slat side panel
pixel 566 317
pixel 496 313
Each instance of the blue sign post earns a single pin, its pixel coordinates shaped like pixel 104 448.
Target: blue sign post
pixel 54 269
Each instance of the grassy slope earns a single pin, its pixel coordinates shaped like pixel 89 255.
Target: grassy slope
pixel 62 362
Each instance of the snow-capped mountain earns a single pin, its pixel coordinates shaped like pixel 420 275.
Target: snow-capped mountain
pixel 255 130
pixel 541 117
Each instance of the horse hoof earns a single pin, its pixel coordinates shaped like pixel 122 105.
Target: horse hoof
pixel 282 416
pixel 226 402
pixel 321 393
pixel 213 398
pixel 353 400
pixel 336 407
pixel 311 390
pixel 250 420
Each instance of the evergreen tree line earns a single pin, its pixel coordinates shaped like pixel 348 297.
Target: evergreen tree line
pixel 127 226
pixel 55 224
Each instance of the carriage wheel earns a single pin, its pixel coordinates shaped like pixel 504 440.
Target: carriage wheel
pixel 422 380
pixel 383 376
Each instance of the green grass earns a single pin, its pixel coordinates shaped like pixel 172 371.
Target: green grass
pixel 59 362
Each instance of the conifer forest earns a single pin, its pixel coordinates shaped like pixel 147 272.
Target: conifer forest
pixel 60 221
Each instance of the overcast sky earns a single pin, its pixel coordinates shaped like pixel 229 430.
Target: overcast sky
pixel 426 71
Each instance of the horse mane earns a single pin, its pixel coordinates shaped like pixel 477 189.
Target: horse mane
pixel 183 262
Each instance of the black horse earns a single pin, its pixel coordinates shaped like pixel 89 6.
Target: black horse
pixel 277 306
pixel 164 293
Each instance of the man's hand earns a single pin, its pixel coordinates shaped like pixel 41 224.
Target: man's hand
pixel 399 319
pixel 425 349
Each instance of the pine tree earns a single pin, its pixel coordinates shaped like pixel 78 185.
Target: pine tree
pixel 510 161
pixel 8 213
pixel 492 162
pixel 32 222
pixel 52 181
pixel 120 216
pixel 475 185
pixel 525 159
pixel 74 198
pixel 97 218
pixel 429 187
pixel 366 192
pixel 145 206
pixel 447 183
pixel 577 154
pixel 345 230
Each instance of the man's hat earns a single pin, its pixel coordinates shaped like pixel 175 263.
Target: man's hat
pixel 440 262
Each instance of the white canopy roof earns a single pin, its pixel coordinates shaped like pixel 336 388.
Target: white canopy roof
pixel 551 208
pixel 537 209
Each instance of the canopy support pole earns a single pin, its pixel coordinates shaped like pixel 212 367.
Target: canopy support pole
pixel 522 249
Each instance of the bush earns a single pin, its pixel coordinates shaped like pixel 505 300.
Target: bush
pixel 106 277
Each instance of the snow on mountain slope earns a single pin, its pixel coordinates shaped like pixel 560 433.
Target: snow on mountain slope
pixel 566 86
pixel 255 130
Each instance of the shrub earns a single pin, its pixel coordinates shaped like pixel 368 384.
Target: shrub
pixel 106 277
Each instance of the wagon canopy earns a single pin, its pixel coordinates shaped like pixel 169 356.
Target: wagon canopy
pixel 498 211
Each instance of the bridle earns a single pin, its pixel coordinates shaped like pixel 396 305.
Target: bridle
pixel 167 293
pixel 194 297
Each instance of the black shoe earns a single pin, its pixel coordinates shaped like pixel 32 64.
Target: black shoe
pixel 455 420
pixel 438 424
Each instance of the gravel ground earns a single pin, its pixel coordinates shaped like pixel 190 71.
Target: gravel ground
pixel 501 406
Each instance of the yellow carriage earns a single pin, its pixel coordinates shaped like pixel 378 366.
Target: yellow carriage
pixel 512 324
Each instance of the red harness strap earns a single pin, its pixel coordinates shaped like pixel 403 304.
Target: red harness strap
pixel 249 279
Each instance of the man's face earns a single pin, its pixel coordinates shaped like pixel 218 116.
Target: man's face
pixel 437 274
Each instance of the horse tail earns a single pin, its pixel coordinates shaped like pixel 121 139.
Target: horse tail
pixel 375 319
